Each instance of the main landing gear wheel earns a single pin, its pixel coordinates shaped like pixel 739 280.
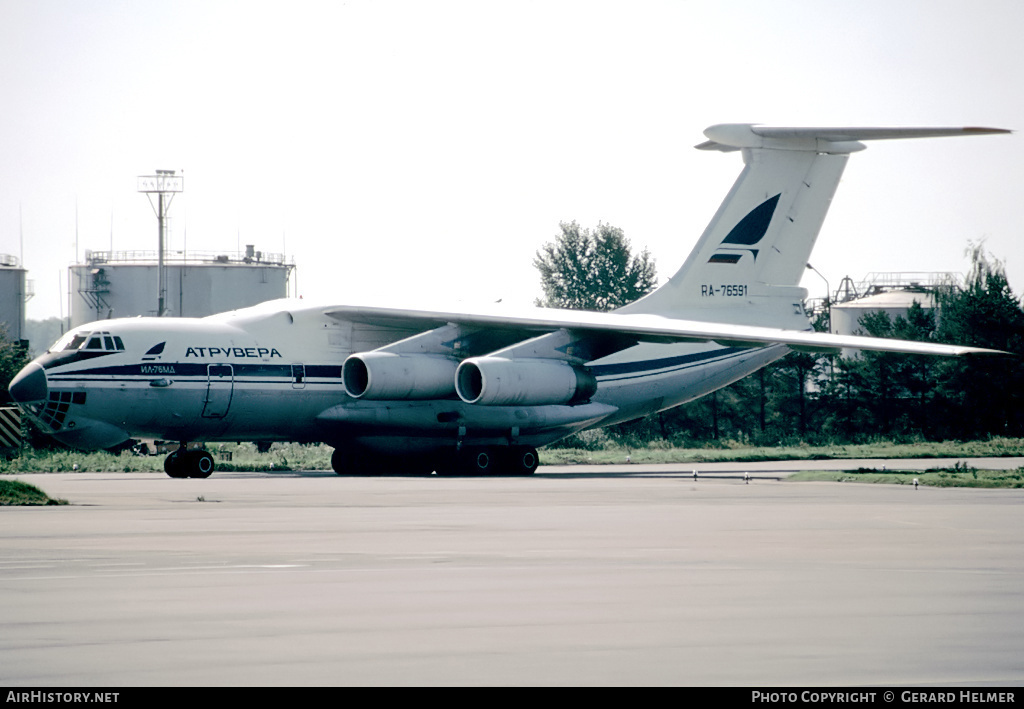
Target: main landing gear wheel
pixel 477 461
pixel 472 461
pixel 356 460
pixel 184 463
pixel 490 461
pixel 522 460
pixel 351 461
pixel 467 462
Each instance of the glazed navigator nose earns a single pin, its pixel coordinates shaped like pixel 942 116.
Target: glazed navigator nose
pixel 30 385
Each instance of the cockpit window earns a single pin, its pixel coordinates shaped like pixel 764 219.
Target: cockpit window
pixel 77 342
pixel 95 341
pixel 113 343
pixel 70 341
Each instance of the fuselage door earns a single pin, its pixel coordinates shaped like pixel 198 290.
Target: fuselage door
pixel 219 387
pixel 298 376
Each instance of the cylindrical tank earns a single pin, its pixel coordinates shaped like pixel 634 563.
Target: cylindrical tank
pixel 12 297
pixel 846 316
pixel 124 284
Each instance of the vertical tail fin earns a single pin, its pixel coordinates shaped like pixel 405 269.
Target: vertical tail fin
pixel 747 265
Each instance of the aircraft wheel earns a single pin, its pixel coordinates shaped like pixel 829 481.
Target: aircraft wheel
pixel 523 460
pixel 176 464
pixel 350 461
pixel 341 462
pixel 482 462
pixel 446 465
pixel 418 466
pixel 200 464
pixel 476 461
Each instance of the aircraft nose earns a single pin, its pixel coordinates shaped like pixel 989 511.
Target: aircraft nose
pixel 29 385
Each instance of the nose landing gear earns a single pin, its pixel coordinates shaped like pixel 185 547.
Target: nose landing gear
pixel 184 463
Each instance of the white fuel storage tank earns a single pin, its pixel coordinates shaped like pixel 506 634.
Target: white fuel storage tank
pixel 122 284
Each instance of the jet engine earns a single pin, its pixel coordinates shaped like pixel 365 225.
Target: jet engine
pixel 497 381
pixel 388 376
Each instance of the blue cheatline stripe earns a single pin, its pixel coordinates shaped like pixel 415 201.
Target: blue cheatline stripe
pixel 725 258
pixel 195 369
pixel 646 367
pixel 10 427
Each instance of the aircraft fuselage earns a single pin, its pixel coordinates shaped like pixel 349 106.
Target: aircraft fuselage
pixel 203 380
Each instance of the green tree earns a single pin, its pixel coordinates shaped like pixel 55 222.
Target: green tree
pixel 888 392
pixel 592 270
pixel 983 395
pixel 42 333
pixel 938 397
pixel 13 356
pixel 596 270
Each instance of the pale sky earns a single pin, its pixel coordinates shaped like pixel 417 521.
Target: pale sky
pixel 434 147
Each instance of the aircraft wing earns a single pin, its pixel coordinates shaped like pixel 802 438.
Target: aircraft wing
pixel 644 328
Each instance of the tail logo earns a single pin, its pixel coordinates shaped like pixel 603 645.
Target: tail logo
pixel 747 233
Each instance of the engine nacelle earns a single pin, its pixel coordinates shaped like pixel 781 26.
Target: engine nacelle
pixel 388 376
pixel 496 381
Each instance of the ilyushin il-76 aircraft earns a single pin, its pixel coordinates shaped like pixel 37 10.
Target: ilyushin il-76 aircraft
pixel 408 389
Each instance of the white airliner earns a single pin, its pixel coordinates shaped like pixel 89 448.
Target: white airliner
pixel 410 389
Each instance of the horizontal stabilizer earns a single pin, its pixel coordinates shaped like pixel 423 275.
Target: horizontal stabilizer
pixel 727 137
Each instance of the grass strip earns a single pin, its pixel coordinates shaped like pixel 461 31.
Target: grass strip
pixel 960 475
pixel 15 492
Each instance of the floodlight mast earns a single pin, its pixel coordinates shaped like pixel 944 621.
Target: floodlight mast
pixel 164 182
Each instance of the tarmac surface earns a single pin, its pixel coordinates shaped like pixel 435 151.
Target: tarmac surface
pixel 622 575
